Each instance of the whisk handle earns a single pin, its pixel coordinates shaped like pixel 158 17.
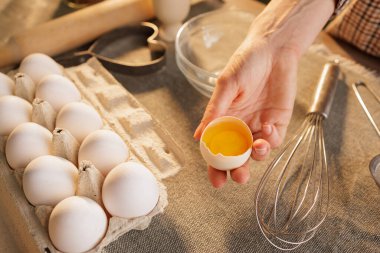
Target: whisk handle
pixel 325 91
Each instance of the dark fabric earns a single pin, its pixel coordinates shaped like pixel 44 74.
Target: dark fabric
pixel 359 25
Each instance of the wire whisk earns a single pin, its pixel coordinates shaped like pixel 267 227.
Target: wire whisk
pixel 292 199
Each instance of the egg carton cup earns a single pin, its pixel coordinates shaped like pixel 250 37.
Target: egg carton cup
pixel 24 87
pixel 30 223
pixel 89 185
pixel 148 142
pixel 43 113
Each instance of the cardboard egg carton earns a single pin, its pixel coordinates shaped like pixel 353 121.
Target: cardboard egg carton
pixel 148 142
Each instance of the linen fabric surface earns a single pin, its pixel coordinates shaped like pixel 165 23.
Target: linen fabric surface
pixel 200 218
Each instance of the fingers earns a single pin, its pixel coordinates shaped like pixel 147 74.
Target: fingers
pixel 274 135
pixel 260 149
pixel 217 177
pixel 268 138
pixel 241 175
pixel 275 122
pixel 224 93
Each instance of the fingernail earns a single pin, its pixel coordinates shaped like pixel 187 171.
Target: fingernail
pixel 260 151
pixel 267 129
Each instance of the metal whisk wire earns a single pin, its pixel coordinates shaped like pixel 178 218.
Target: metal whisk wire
pixel 318 140
pixel 310 132
pixel 292 199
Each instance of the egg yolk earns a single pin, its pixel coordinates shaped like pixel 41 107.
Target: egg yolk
pixel 226 140
pixel 228 143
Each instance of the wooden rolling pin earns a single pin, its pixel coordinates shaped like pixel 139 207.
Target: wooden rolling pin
pixel 75 29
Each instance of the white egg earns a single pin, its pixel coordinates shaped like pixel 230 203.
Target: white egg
pixel 6 85
pixel 13 112
pixel 226 143
pixel 105 149
pixel 38 65
pixel 58 91
pixel 79 119
pixel 27 142
pixel 77 224
pixel 49 179
pixel 130 190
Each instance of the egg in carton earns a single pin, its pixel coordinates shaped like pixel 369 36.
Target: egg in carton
pixel 89 184
pixel 120 111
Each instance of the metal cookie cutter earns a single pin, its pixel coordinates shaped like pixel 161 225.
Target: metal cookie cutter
pixel 131 50
pixel 374 165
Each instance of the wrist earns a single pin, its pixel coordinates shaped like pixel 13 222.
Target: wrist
pixel 291 24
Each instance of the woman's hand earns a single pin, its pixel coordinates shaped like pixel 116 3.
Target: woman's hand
pixel 258 85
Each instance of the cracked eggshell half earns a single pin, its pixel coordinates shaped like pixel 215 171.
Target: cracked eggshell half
pixel 27 142
pixel 38 65
pixel 226 143
pixel 58 91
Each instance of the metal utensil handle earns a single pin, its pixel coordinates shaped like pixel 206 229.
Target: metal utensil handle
pixel 360 99
pixel 324 94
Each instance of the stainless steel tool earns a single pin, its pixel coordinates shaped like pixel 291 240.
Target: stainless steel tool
pixel 374 168
pixel 293 195
pixel 374 165
pixel 355 87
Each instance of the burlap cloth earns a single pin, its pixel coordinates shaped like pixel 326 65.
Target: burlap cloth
pixel 200 218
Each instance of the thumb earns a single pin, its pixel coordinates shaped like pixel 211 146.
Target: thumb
pixel 224 94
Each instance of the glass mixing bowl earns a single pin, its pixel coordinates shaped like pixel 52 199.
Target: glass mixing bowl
pixel 205 43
